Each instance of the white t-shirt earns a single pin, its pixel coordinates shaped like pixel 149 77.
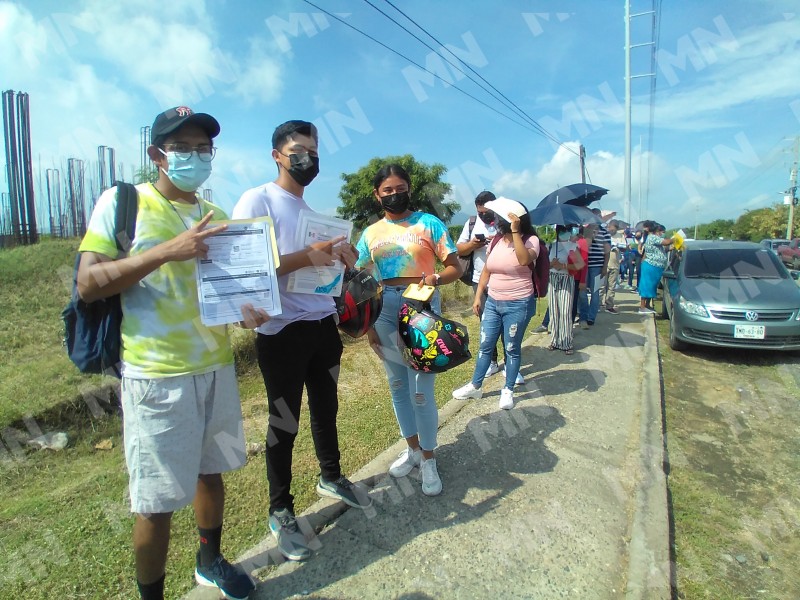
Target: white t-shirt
pixel 561 250
pixel 284 207
pixel 479 259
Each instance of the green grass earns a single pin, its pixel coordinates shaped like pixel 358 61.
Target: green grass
pixel 66 528
pixel 733 466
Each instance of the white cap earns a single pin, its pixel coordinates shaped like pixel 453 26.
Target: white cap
pixel 503 206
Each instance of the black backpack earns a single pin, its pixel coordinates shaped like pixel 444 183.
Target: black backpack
pixel 92 330
pixel 468 262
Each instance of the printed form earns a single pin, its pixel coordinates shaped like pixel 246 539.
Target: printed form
pixel 241 268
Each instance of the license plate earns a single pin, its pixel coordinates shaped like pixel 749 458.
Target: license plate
pixel 749 332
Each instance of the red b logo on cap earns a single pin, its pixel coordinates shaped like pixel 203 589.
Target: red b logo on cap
pixel 184 111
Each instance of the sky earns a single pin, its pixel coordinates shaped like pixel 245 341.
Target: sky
pixel 726 109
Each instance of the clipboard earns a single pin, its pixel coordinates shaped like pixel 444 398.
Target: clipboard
pixel 421 293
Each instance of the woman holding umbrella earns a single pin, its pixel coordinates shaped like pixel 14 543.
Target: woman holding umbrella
pixel 565 260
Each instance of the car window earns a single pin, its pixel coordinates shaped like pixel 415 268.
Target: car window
pixel 726 263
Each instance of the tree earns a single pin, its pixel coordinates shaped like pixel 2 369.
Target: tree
pixel 428 191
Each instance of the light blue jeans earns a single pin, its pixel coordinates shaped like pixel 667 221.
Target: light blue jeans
pixel 412 391
pixel 587 308
pixel 512 318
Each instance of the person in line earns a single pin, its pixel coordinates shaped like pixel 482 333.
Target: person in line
pixel 287 360
pixel 599 252
pixel 475 236
pixel 510 302
pixel 580 275
pixel 403 247
pixel 565 260
pixel 609 290
pixel 654 261
pixel 179 390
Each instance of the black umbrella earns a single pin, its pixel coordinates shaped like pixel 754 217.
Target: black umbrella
pixel 563 214
pixel 577 194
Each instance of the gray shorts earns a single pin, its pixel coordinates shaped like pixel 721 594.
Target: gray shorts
pixel 175 429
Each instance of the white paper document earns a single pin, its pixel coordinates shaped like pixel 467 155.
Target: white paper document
pixel 312 228
pixel 240 269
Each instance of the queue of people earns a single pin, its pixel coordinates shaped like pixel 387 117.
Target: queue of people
pixel 179 390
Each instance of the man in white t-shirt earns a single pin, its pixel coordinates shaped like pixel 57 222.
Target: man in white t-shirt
pixel 301 347
pixel 475 242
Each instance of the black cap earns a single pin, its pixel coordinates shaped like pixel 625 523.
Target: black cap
pixel 170 120
pixel 282 132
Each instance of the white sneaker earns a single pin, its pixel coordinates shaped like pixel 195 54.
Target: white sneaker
pixel 519 380
pixel 408 460
pixel 431 484
pixel 465 392
pixel 646 311
pixel 506 399
pixel 493 368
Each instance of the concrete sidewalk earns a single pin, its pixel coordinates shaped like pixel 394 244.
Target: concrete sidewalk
pixel 563 496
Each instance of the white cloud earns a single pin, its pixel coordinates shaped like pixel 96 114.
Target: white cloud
pixel 605 169
pixel 763 66
pixel 260 78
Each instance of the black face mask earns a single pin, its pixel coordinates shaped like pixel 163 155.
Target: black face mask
pixel 304 168
pixel 487 217
pixel 396 203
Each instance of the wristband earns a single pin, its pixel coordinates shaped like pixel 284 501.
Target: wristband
pixel 436 279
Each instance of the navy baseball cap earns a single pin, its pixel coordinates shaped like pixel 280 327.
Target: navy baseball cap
pixel 170 120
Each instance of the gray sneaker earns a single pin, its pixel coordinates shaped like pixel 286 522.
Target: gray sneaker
pixel 540 329
pixel 291 541
pixel 343 489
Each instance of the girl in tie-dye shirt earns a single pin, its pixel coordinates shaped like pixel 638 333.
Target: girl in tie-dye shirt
pixel 403 248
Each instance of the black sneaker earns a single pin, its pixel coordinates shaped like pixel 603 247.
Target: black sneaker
pixel 232 582
pixel 343 489
pixel 291 541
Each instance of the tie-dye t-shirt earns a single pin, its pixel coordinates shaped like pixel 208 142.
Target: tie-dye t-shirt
pixel 406 247
pixel 162 335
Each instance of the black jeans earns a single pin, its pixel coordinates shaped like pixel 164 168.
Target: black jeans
pixel 303 354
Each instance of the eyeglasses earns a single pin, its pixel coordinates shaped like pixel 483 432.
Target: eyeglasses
pixel 205 152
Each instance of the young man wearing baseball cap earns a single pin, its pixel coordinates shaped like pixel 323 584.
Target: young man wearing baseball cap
pixel 179 390
pixel 301 347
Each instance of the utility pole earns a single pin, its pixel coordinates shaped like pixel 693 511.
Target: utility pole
pixel 626 191
pixel 583 163
pixel 626 199
pixel 792 193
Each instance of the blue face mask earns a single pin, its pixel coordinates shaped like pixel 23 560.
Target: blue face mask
pixel 186 175
pixel 563 236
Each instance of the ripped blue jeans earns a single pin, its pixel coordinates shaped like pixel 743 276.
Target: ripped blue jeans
pixel 512 318
pixel 412 391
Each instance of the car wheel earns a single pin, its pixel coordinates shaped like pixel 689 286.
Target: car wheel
pixel 674 342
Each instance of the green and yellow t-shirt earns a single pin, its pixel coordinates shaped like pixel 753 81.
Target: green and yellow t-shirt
pixel 162 335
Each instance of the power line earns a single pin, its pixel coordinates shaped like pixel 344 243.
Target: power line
pixel 503 98
pixel 335 17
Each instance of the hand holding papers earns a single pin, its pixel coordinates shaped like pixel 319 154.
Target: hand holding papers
pixel 239 271
pixel 323 278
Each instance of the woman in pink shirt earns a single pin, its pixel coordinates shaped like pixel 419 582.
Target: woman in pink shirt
pixel 510 303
